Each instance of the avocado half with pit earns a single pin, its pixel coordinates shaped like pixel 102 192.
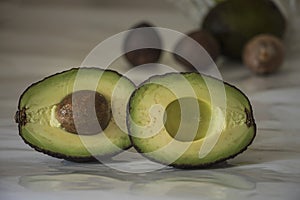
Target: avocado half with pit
pixel 78 115
pixel 188 120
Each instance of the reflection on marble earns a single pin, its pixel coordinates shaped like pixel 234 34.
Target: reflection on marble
pixel 222 182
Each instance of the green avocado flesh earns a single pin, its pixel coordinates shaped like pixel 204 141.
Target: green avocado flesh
pixel 40 128
pixel 188 120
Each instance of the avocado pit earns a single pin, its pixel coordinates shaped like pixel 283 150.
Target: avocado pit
pixel 264 54
pixel 83 112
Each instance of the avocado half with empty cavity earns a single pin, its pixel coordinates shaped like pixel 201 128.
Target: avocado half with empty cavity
pixel 78 115
pixel 188 120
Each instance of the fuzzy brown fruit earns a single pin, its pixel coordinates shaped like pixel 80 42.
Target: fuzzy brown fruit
pixel 136 42
pixel 264 54
pixel 188 52
pixel 83 112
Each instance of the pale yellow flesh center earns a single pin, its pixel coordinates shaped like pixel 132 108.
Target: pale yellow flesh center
pixel 187 119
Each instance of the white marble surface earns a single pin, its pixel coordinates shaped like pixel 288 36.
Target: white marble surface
pixel 39 38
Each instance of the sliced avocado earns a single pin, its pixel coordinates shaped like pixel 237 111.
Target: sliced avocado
pixel 180 120
pixel 59 115
pixel 234 22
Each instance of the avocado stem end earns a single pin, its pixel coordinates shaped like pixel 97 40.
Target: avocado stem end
pixel 20 117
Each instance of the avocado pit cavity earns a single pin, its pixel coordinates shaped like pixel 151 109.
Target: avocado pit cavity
pixel 187 119
pixel 83 112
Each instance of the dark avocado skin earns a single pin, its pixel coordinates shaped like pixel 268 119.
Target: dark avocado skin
pixel 234 22
pixel 191 166
pixel 55 154
pixel 58 155
pixel 68 158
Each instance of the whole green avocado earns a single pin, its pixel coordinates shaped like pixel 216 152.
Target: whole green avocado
pixel 234 22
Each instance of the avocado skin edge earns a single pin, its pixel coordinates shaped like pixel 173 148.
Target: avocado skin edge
pixel 78 159
pixel 190 166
